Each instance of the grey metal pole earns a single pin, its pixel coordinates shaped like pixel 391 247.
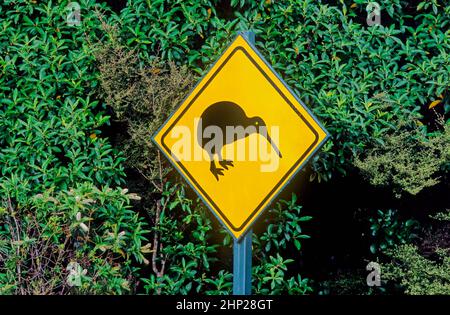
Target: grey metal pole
pixel 242 249
pixel 242 265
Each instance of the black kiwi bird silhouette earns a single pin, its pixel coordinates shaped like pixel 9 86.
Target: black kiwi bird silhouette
pixel 221 115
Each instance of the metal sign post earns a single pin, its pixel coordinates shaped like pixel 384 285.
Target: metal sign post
pixel 242 249
pixel 242 265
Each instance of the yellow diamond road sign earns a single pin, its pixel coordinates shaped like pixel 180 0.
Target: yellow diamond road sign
pixel 240 136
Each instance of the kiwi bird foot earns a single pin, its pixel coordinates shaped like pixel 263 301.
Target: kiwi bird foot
pixel 216 171
pixel 226 163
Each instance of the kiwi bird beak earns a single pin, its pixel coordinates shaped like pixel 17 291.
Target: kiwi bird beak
pixel 274 146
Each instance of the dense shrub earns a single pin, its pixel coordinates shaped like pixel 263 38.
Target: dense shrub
pixel 93 229
pixel 423 267
pixel 417 274
pixel 48 114
pixel 407 160
pixel 142 96
pixel 387 230
pixel 182 260
pixel 50 145
pixel 282 238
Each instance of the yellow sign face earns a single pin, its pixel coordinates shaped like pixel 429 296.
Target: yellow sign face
pixel 240 136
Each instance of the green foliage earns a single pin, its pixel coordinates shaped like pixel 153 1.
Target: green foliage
pixel 422 269
pixel 388 231
pixel 50 144
pixel 168 28
pixel 407 160
pixel 283 235
pixel 442 216
pixel 417 274
pixel 94 228
pixel 142 95
pixel 286 228
pixel 48 118
pixel 182 254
